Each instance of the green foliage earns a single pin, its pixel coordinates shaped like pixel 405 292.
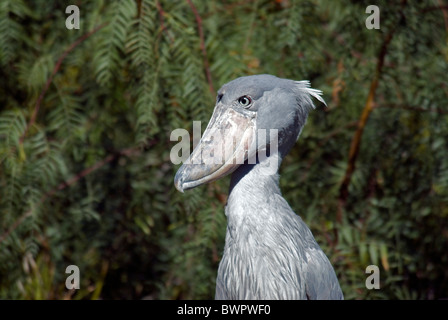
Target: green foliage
pixel 89 181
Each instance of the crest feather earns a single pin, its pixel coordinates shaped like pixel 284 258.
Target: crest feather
pixel 305 85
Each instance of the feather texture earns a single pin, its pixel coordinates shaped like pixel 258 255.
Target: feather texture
pixel 305 86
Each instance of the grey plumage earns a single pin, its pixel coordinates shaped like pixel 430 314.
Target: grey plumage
pixel 270 253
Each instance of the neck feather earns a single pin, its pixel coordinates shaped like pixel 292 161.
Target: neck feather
pixel 254 189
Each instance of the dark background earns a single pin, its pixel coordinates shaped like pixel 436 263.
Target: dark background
pixel 85 122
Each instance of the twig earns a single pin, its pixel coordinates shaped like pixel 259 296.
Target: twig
pixel 202 45
pixel 163 27
pixel 161 16
pixel 445 13
pixel 356 140
pixel 321 143
pixel 50 79
pixel 231 7
pixel 15 225
pixel 411 108
pixel 65 184
pixel 443 8
pixel 139 8
pixel 439 7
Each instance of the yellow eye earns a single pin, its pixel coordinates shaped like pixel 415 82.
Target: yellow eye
pixel 245 101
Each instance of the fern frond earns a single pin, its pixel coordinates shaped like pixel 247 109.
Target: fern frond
pixel 141 47
pixel 108 55
pixel 11 31
pixel 34 73
pixel 12 126
pixel 67 116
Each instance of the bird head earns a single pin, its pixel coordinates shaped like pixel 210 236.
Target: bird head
pixel 251 115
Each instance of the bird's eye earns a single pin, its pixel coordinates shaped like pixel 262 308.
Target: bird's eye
pixel 245 101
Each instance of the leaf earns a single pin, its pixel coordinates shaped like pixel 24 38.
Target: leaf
pixel 373 252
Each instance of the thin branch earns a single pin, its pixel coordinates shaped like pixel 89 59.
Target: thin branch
pixel 228 8
pixel 50 79
pixel 356 140
pixel 321 143
pixel 443 8
pixel 78 176
pixel 161 16
pixel 445 13
pixel 411 108
pixel 439 7
pixel 139 8
pixel 202 45
pixel 15 225
pixel 65 184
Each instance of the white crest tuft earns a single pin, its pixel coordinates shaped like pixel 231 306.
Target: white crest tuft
pixel 306 86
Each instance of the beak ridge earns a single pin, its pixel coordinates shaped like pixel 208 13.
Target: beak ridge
pixel 222 149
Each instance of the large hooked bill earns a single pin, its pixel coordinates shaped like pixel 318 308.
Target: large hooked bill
pixel 227 142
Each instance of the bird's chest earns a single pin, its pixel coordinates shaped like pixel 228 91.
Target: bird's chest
pixel 259 263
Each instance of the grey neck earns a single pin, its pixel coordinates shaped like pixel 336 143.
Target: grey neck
pixel 254 189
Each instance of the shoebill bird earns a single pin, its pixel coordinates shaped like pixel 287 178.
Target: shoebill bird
pixel 269 253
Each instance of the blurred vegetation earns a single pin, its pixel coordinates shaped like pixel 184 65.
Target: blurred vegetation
pixel 86 117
